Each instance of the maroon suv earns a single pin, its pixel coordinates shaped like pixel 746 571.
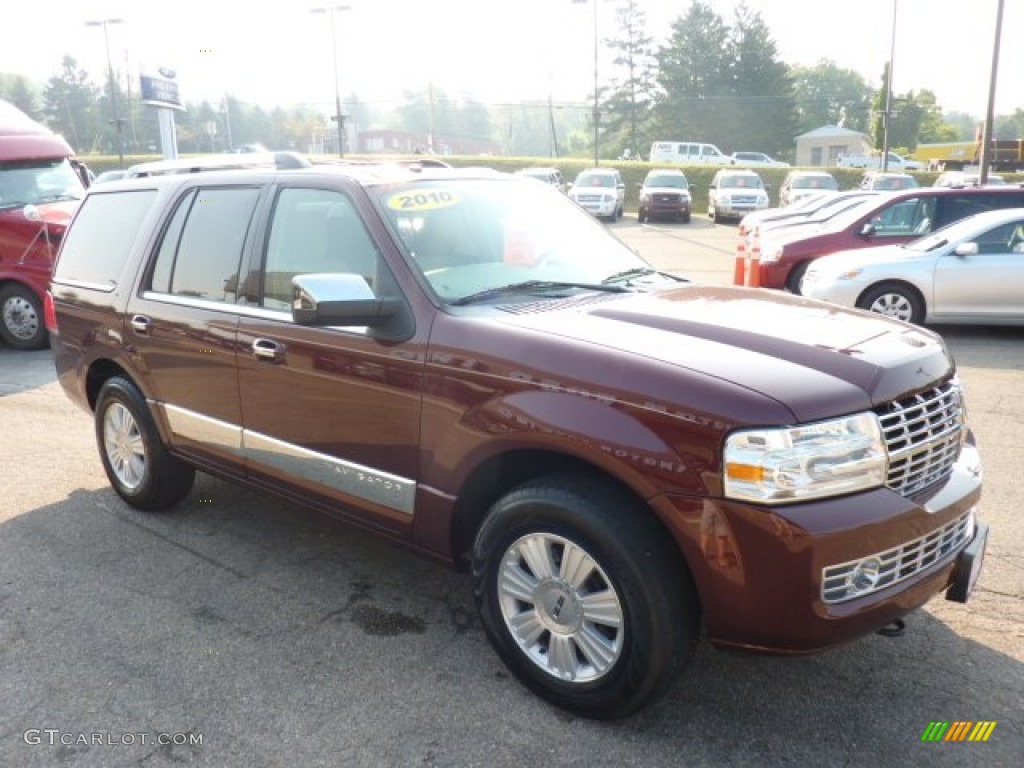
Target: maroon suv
pixel 469 364
pixel 888 219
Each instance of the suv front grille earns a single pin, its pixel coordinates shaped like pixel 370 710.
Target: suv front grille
pixel 922 435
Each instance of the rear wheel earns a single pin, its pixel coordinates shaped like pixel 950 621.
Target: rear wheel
pixel 795 276
pixel 641 216
pixel 21 318
pixel 583 596
pixel 894 300
pixel 136 461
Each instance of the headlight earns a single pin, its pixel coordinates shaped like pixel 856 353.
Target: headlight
pixel 774 253
pixel 811 461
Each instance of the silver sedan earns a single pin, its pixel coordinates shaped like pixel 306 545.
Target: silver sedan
pixel 971 271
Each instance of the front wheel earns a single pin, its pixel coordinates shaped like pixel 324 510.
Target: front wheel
pixel 582 595
pixel 21 318
pixel 894 300
pixel 136 461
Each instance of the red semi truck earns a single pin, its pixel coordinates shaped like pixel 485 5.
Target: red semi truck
pixel 40 186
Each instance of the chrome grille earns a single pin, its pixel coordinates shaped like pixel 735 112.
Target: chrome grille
pixel 894 565
pixel 922 436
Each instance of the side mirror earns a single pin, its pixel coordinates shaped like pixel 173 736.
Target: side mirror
pixel 966 249
pixel 347 300
pixel 868 230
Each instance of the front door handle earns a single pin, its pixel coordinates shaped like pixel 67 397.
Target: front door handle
pixel 268 349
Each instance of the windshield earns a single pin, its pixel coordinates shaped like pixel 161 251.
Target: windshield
pixel 468 236
pixel 672 180
pixel 962 230
pixel 741 182
pixel 815 182
pixel 595 180
pixel 32 182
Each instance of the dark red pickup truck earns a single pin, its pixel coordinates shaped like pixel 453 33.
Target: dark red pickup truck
pixel 467 363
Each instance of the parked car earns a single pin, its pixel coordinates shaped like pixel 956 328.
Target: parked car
pixel 966 179
pixel 756 159
pixel 890 219
pixel 551 176
pixel 887 182
pixel 664 192
pixel 468 364
pixel 799 184
pixel 895 162
pixel 734 193
pixel 600 191
pixel 112 175
pixel 687 153
pixel 971 271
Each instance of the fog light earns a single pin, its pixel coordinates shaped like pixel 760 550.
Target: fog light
pixel 864 577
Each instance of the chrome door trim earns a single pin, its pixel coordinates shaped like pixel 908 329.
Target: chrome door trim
pixel 349 478
pixel 202 429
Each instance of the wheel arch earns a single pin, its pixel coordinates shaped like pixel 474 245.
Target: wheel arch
pixel 500 473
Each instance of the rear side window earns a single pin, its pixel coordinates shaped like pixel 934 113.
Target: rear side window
pixel 956 207
pixel 100 240
pixel 201 251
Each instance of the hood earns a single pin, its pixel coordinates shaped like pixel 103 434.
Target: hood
pixel 664 190
pixel 816 358
pixel 881 254
pixel 54 214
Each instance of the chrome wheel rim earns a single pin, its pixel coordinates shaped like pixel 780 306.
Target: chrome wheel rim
pixel 893 305
pixel 124 446
pixel 21 318
pixel 560 608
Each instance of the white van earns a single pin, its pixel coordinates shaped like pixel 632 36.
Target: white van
pixel 688 153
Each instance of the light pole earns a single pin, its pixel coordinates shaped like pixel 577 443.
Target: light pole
pixel 110 78
pixel 887 117
pixel 330 11
pixel 986 133
pixel 597 111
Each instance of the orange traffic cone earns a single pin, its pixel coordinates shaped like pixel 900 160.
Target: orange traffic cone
pixel 740 267
pixel 754 275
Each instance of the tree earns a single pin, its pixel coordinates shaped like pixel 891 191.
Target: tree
pixel 760 113
pixel 22 93
pixel 693 74
pixel 627 107
pixel 70 106
pixel 826 94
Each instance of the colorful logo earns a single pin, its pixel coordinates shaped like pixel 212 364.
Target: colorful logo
pixel 958 730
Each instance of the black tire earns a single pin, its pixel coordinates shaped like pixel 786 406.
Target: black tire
pixel 796 274
pixel 136 461
pixel 686 218
pixel 619 658
pixel 21 318
pixel 641 217
pixel 893 299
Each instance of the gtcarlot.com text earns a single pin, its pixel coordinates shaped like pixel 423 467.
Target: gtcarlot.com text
pixel 55 736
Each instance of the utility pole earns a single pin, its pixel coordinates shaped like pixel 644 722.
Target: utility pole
pixel 990 118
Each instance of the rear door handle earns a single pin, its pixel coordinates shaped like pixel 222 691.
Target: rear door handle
pixel 141 324
pixel 268 349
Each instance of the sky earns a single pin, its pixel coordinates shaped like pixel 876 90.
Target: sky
pixel 276 52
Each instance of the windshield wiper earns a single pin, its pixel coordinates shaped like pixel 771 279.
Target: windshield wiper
pixel 530 286
pixel 628 274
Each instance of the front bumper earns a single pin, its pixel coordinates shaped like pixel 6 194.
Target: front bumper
pixel 761 572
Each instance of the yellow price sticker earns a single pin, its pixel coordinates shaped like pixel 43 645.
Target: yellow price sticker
pixel 423 200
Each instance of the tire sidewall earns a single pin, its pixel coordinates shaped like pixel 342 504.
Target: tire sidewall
pixel 635 675
pixel 120 391
pixel 41 338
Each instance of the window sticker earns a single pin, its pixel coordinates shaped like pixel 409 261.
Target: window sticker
pixel 423 200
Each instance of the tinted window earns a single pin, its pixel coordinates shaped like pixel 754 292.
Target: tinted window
pixel 913 216
pixel 956 207
pixel 200 254
pixel 101 239
pixel 315 231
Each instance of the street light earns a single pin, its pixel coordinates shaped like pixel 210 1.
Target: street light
pixel 110 77
pixel 330 11
pixel 597 112
pixel 887 117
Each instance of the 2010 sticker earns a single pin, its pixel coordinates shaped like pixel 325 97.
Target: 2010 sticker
pixel 423 200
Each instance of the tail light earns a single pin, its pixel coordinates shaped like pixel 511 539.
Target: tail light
pixel 49 313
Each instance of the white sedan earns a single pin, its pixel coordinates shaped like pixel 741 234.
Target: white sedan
pixel 971 271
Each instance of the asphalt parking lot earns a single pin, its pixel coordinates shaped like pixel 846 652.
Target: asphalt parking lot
pixel 241 631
